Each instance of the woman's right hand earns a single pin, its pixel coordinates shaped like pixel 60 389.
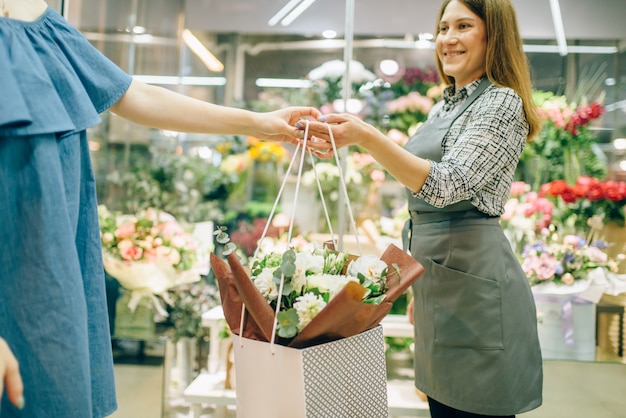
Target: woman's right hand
pixel 10 376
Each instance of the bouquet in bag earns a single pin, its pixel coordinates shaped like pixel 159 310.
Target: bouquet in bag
pixel 305 297
pixel 302 298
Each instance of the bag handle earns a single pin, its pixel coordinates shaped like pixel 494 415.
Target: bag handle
pixel 302 148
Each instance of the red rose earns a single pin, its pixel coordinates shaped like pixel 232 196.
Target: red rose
pixel 556 187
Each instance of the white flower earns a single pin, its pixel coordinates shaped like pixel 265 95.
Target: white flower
pixel 370 266
pixel 307 307
pixel 306 264
pixel 335 69
pixel 328 283
pixel 265 283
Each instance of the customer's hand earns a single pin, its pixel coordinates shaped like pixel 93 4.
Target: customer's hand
pixel 10 376
pixel 409 311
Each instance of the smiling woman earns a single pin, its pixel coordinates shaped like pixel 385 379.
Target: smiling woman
pixel 473 306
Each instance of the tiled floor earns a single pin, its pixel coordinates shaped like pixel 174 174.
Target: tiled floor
pixel 571 389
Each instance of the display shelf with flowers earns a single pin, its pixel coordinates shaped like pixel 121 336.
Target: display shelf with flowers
pixel 526 215
pixel 564 260
pixel 148 253
pixel 267 167
pixel 587 197
pixel 566 146
pixel 567 277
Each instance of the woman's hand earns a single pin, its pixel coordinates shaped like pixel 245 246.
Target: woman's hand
pixel 409 311
pixel 287 125
pixel 347 130
pixel 10 376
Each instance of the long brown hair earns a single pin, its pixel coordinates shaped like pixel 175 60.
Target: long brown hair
pixel 505 61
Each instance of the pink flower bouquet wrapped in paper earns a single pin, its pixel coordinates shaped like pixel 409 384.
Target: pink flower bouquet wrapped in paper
pixel 147 253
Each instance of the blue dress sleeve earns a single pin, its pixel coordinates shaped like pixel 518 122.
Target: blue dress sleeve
pixel 57 81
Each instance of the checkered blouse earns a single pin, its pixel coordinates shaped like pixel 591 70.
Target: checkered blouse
pixel 480 151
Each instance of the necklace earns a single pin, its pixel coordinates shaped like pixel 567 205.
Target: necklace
pixel 3 7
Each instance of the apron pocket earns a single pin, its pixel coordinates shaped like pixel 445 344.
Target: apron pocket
pixel 467 309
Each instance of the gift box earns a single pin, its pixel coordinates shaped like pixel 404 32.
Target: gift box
pixel 344 378
pixel 566 327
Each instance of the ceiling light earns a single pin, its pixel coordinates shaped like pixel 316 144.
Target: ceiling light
pixel 186 81
pixel 389 67
pixel 292 83
pixel 558 27
pixel 201 51
pixel 290 12
pixel 619 143
pixel 329 34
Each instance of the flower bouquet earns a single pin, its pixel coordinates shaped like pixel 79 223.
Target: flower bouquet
pixel 147 253
pixel 317 294
pixel 306 319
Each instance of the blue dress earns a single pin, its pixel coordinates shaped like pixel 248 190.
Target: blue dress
pixel 53 312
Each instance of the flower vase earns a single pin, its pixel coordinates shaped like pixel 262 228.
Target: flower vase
pixel 263 182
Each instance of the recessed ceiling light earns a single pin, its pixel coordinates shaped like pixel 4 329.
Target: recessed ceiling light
pixel 329 34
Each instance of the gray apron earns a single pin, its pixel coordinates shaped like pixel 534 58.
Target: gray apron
pixel 476 344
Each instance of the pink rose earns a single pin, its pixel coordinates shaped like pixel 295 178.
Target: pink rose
pixel 125 230
pixel 129 251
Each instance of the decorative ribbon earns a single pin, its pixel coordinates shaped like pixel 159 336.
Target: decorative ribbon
pixel 567 313
pixel 137 295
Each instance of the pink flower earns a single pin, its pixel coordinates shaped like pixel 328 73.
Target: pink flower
pixel 596 255
pixel 170 229
pixel 378 176
pixel 397 136
pixel 572 240
pixel 518 188
pixel 129 251
pixel 125 230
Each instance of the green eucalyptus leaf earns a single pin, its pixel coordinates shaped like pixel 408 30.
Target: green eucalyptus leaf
pixel 229 248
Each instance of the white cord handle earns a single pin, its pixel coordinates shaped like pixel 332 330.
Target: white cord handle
pixel 301 147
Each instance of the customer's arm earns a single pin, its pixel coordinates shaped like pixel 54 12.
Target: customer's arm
pixel 160 108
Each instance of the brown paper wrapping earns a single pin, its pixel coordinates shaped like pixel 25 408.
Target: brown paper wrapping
pixel 344 316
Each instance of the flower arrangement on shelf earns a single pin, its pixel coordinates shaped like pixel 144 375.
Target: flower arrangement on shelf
pixel 562 260
pixel 147 253
pixel 186 186
pixel 322 294
pixel 526 215
pixel 576 204
pixel 566 147
pixel 187 303
pixel 407 113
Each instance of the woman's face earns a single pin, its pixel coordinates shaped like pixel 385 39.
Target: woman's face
pixel 461 44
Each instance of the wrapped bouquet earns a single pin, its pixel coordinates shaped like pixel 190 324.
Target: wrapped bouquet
pixel 311 296
pixel 147 253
